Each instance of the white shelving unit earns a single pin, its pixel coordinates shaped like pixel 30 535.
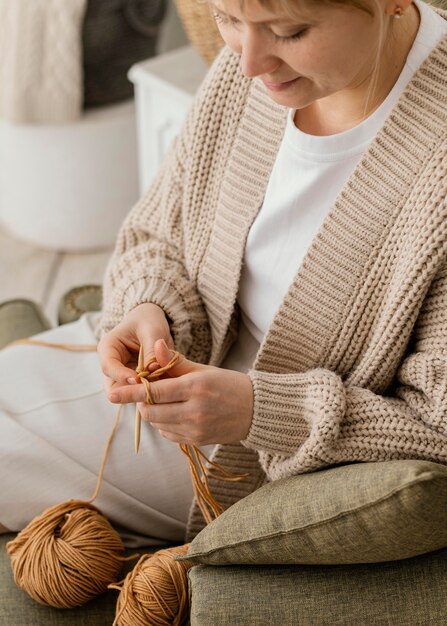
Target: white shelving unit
pixel 164 90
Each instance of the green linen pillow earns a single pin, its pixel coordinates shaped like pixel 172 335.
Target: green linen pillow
pixel 358 513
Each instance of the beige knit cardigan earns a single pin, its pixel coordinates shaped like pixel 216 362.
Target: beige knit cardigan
pixel 354 364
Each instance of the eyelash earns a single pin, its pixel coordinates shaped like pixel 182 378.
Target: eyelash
pixel 295 36
pixel 221 20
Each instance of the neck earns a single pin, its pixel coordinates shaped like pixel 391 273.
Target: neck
pixel 345 109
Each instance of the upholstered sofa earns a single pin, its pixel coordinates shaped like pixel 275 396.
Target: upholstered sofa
pixel 355 545
pixel 402 592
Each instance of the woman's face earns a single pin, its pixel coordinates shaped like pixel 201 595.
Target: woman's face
pixel 324 50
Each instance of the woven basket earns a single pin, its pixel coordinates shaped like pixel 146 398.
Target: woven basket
pixel 200 28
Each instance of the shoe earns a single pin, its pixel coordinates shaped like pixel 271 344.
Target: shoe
pixel 20 318
pixel 79 300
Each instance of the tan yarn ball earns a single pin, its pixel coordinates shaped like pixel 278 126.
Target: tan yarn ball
pixel 155 592
pixel 67 555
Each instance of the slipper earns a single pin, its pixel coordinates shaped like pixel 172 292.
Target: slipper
pixel 20 318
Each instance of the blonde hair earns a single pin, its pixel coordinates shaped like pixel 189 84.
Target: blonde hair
pixel 288 6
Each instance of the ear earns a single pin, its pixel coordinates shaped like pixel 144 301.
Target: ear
pixel 392 5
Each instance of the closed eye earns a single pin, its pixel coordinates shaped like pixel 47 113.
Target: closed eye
pixel 295 36
pixel 227 19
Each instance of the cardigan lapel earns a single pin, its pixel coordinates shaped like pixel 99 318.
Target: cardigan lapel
pixel 329 281
pixel 246 176
pixel 325 300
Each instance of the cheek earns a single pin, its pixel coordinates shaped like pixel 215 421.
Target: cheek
pixel 311 58
pixel 326 63
pixel 348 56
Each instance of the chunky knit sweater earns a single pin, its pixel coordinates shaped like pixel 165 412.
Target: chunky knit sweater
pixel 354 364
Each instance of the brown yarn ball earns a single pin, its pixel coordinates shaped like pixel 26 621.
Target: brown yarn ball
pixel 155 592
pixel 67 555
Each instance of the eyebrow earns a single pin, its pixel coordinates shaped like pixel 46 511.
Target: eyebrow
pixel 283 20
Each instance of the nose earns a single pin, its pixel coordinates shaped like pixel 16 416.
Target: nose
pixel 256 57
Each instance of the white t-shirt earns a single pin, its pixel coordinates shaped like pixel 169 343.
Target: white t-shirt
pixel 308 174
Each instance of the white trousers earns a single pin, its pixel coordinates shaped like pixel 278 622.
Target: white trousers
pixel 54 422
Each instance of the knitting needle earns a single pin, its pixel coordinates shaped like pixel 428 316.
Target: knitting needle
pixel 145 376
pixel 138 414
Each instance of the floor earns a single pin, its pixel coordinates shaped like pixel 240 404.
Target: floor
pixel 45 275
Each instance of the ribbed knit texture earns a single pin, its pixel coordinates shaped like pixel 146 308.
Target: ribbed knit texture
pixel 354 365
pixel 41 60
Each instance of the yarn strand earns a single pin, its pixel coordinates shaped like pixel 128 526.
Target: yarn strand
pixel 208 505
pixel 106 454
pixel 72 347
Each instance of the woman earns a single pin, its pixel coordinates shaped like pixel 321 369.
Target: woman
pixel 293 248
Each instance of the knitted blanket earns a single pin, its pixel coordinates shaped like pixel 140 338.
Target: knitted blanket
pixel 41 60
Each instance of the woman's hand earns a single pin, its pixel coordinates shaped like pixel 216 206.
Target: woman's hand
pixel 196 404
pixel 118 350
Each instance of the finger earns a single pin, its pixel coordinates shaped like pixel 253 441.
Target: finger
pixel 170 390
pixel 163 355
pixel 108 383
pixel 166 391
pixel 145 353
pixel 169 416
pixel 114 356
pixel 127 394
pixel 173 436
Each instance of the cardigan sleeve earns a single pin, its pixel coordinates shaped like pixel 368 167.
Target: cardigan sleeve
pixel 148 263
pixel 304 421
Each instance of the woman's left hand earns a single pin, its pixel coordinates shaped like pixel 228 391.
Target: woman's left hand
pixel 195 404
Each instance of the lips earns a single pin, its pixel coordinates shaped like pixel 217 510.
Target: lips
pixel 280 86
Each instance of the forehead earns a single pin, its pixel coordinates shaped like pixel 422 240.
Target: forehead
pixel 289 9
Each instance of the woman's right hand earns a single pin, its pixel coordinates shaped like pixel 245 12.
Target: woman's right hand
pixel 118 349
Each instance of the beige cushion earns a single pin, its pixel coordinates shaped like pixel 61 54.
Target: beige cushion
pixel 359 513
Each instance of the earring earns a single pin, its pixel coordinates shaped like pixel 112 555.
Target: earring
pixel 398 13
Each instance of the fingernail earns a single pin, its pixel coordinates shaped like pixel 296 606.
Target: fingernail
pixel 114 397
pixel 167 347
pixel 131 381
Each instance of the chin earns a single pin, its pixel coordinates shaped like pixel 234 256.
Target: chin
pixel 289 101
pixel 292 100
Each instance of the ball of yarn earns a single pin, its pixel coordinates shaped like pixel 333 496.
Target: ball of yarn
pixel 67 555
pixel 155 591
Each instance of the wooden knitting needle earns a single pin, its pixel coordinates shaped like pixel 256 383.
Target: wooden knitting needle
pixel 145 376
pixel 138 414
